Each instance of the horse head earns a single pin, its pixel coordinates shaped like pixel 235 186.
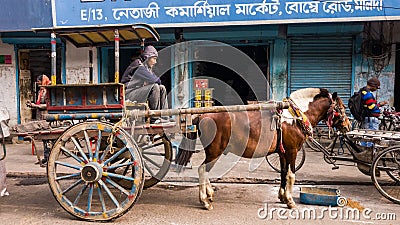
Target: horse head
pixel 318 104
pixel 336 115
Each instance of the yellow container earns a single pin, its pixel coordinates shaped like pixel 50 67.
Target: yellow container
pixel 198 94
pixel 208 104
pixel 197 104
pixel 208 94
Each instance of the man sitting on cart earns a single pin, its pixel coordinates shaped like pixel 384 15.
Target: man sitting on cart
pixel 142 85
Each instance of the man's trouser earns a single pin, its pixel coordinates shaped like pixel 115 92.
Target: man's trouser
pixel 155 94
pixel 370 123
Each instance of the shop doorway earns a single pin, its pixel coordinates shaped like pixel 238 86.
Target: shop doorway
pixel 231 88
pixel 33 63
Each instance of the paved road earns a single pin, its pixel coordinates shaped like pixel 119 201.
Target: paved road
pixel 31 202
pixel 244 187
pixel 20 162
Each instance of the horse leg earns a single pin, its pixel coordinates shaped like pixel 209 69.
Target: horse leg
pixel 206 192
pixel 290 178
pixel 209 188
pixel 281 192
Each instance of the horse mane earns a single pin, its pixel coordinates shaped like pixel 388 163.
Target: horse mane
pixel 303 97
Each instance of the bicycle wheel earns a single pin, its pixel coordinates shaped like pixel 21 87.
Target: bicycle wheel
pixel 274 162
pixel 356 124
pixel 311 145
pixel 388 183
pixel 386 124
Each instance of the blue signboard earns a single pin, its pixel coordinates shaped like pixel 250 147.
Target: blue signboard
pixel 22 15
pixel 164 13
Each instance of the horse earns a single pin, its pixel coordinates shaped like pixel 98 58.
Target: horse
pixel 252 134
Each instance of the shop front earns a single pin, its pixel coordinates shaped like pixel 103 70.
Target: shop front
pixel 289 45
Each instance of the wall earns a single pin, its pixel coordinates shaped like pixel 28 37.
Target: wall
pixel 8 98
pixel 77 65
pixel 369 65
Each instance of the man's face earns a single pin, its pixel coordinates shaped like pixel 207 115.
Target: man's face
pixel 151 61
pixel 373 88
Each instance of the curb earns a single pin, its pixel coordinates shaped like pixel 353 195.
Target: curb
pixel 26 174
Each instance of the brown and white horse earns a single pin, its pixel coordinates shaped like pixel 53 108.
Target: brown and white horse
pixel 253 134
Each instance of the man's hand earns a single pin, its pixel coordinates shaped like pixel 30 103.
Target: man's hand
pixel 28 103
pixel 383 103
pixel 31 104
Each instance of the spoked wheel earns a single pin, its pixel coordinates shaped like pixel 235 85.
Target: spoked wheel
pixel 157 155
pixel 86 167
pixel 311 145
pixel 274 162
pixel 386 173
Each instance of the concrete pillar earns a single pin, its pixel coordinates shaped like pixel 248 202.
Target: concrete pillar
pixel 279 69
pixel 181 83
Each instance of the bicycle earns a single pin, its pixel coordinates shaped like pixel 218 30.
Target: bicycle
pixel 390 119
pixel 323 135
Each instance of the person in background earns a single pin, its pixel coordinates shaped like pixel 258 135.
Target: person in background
pixel 42 81
pixel 4 132
pixel 142 85
pixel 40 105
pixel 372 111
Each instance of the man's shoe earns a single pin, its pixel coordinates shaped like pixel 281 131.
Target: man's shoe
pixel 43 163
pixel 158 120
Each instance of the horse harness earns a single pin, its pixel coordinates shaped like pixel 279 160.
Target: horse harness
pixel 302 120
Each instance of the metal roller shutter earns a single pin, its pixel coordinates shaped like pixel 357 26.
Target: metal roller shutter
pixel 321 62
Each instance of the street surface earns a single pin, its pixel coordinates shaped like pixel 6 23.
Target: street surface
pixel 31 202
pixel 246 193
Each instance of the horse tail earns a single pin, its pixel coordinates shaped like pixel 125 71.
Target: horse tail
pixel 187 146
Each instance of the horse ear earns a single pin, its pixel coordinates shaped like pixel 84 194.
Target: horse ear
pixel 334 95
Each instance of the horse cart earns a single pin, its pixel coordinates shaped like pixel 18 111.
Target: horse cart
pixel 104 150
pixel 98 167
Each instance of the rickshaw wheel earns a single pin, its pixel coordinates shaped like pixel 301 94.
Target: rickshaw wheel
pixel 274 161
pixel 385 173
pixel 157 156
pixel 83 181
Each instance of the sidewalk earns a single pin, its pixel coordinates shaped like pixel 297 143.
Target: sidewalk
pixel 21 163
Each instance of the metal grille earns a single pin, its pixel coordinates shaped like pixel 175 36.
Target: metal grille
pixel 323 63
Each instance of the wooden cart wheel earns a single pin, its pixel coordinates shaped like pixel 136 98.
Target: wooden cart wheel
pixel 274 162
pixel 83 167
pixel 385 173
pixel 157 155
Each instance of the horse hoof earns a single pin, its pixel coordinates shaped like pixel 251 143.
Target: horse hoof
pixel 282 200
pixel 291 205
pixel 209 207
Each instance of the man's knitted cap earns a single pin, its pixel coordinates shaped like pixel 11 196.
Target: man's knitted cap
pixel 374 82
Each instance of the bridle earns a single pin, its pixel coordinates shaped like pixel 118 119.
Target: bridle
pixel 334 111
